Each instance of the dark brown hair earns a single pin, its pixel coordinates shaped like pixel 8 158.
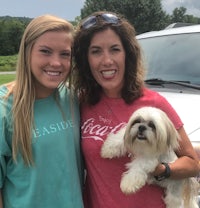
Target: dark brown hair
pixel 88 89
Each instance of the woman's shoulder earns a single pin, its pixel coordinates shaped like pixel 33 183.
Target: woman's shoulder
pixel 151 97
pixel 68 97
pixel 147 91
pixel 3 90
pixel 6 88
pixel 65 91
pixel 6 98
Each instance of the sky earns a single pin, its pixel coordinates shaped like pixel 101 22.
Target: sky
pixel 192 6
pixel 69 9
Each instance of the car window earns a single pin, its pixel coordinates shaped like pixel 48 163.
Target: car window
pixel 173 57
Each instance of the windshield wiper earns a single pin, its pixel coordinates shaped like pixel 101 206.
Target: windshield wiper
pixel 157 81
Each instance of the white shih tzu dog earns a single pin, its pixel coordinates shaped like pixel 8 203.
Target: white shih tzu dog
pixel 151 138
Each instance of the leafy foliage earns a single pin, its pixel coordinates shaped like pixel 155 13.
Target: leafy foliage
pixel 179 15
pixel 11 30
pixel 8 63
pixel 145 15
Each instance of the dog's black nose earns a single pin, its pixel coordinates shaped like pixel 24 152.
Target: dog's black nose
pixel 140 134
pixel 142 128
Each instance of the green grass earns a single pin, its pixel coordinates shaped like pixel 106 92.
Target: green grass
pixel 5 78
pixel 8 63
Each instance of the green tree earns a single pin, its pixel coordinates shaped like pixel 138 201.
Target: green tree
pixel 178 14
pixel 11 30
pixel 145 15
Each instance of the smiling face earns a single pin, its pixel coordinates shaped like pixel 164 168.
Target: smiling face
pixel 50 61
pixel 150 131
pixel 106 56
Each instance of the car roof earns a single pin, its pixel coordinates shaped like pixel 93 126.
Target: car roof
pixel 171 31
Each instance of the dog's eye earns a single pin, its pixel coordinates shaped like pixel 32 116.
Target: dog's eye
pixel 151 125
pixel 136 121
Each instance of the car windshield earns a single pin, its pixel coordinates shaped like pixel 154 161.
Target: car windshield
pixel 173 57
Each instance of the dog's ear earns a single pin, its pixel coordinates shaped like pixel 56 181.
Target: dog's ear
pixel 166 130
pixel 172 134
pixel 129 125
pixel 127 130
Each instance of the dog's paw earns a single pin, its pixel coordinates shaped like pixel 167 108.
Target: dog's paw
pixel 112 148
pixel 131 184
pixel 108 151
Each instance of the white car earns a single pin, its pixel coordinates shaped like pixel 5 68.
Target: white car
pixel 172 58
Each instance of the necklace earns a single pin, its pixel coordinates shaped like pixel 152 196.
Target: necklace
pixel 110 114
pixel 117 121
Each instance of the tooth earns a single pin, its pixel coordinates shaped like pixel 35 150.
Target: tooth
pixel 53 73
pixel 108 72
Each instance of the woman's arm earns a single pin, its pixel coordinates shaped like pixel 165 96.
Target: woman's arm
pixel 187 165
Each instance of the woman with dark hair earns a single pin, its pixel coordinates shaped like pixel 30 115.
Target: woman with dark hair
pixel 108 76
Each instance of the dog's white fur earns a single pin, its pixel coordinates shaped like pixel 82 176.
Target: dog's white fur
pixel 151 138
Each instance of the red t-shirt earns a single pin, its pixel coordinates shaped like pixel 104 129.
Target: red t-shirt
pixel 102 188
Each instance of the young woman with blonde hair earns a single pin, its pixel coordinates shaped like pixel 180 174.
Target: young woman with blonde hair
pixel 39 122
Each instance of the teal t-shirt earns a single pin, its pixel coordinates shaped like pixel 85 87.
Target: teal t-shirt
pixel 54 181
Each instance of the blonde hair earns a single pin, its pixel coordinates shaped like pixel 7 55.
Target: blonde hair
pixel 23 89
